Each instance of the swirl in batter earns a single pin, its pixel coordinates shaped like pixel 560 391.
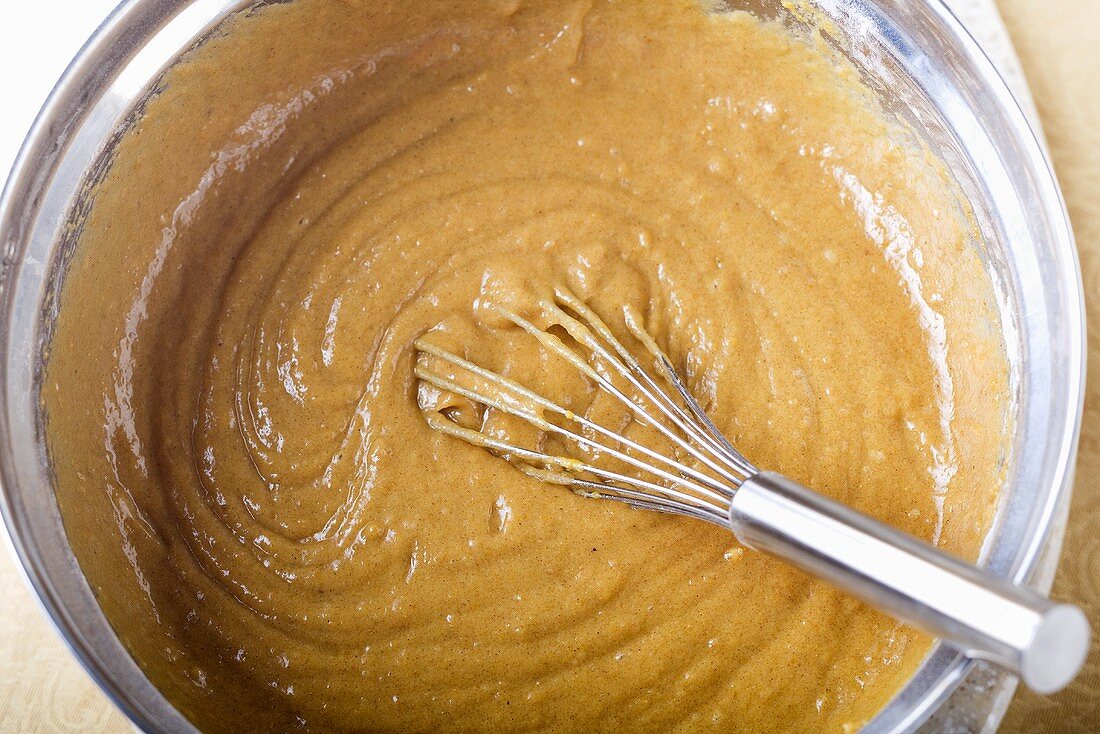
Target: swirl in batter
pixel 244 473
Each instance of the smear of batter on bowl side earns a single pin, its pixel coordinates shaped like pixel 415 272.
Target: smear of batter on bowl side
pixel 253 493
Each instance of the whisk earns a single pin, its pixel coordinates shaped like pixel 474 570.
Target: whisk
pixel 700 474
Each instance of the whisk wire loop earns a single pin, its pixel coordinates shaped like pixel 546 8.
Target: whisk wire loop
pixel 566 463
pixel 646 388
pixel 714 489
pixel 709 436
pixel 664 481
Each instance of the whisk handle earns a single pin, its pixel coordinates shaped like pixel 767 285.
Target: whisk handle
pixel 984 617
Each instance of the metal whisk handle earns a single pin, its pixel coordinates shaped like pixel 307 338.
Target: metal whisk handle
pixel 984 617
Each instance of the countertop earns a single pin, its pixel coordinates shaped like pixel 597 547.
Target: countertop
pixel 43 689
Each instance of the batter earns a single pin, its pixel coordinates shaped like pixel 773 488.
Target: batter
pixel 245 475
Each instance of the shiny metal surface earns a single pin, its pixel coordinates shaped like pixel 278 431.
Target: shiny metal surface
pixel 984 617
pixel 914 54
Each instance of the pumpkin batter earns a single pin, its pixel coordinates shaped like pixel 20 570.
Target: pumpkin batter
pixel 245 475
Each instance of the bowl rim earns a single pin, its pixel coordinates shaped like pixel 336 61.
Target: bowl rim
pixel 106 53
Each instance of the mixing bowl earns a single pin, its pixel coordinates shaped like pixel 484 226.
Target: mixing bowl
pixel 914 55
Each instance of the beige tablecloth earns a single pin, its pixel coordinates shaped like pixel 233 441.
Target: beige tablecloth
pixel 42 689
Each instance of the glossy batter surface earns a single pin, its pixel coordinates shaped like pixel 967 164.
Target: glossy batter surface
pixel 243 469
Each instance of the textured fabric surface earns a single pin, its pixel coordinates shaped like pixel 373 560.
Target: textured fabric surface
pixel 44 689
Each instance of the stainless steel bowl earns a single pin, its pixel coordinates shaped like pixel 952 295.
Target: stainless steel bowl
pixel 916 57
